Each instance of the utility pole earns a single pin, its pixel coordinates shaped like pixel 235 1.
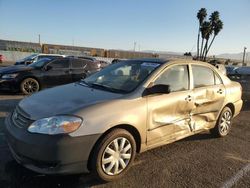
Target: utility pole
pixel 39 39
pixel 134 46
pixel 244 55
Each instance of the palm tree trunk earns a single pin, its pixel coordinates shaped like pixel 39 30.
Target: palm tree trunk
pixel 209 46
pixel 201 48
pixel 198 43
pixel 204 50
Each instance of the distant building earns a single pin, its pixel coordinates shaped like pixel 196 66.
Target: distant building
pixel 20 46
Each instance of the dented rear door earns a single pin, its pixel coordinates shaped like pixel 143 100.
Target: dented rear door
pixel 209 96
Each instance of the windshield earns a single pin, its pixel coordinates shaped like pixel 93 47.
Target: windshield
pixel 122 77
pixel 40 63
pixel 29 57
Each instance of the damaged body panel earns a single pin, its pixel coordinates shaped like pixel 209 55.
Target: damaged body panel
pixel 208 104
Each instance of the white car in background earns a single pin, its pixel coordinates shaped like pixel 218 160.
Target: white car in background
pixel 35 57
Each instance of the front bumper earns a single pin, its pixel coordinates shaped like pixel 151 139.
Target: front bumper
pixel 46 154
pixel 9 84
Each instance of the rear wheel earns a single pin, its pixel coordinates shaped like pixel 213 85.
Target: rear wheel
pixel 113 156
pixel 224 122
pixel 29 86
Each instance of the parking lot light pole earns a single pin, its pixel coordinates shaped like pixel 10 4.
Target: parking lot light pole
pixel 244 55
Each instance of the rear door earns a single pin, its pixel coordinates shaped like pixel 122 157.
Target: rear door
pixel 209 96
pixel 58 72
pixel 78 69
pixel 169 114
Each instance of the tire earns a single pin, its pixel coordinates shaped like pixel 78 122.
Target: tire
pixel 29 86
pixel 113 168
pixel 224 122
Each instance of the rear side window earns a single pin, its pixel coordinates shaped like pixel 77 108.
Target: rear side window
pixel 176 77
pixel 90 64
pixel 77 63
pixel 217 79
pixel 60 63
pixel 204 76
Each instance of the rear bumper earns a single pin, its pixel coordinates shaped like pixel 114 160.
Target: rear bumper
pixel 58 154
pixel 237 107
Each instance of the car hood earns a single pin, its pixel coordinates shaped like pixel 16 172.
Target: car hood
pixel 65 99
pixel 14 69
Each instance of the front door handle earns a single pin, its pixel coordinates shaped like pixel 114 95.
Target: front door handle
pixel 68 71
pixel 220 91
pixel 188 98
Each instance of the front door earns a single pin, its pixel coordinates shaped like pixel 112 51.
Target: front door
pixel 209 95
pixel 58 73
pixel 169 114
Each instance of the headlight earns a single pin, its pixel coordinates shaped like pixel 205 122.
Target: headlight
pixel 55 125
pixel 9 75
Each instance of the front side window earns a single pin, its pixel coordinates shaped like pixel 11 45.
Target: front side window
pixel 175 77
pixel 29 58
pixel 40 63
pixel 122 77
pixel 203 76
pixel 60 63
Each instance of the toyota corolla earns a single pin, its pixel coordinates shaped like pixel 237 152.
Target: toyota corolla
pixel 98 125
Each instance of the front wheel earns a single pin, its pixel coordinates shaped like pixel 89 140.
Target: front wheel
pixel 224 122
pixel 29 86
pixel 113 155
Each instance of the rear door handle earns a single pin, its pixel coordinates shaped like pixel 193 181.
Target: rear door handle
pixel 188 98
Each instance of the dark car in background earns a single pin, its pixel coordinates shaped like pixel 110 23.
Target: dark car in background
pixel 45 73
pixel 242 75
pixel 36 57
pixel 231 69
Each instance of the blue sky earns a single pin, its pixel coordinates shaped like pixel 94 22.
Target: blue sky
pixel 115 24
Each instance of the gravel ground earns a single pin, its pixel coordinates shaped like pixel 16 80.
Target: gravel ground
pixel 197 161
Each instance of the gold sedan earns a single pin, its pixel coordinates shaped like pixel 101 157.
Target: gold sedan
pixel 97 125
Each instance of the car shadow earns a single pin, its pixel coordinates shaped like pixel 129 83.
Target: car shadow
pixel 246 106
pixel 18 176
pixel 5 92
pixel 198 137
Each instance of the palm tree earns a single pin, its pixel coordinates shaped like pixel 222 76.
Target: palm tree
pixel 208 33
pixel 201 15
pixel 217 26
pixel 214 18
pixel 205 32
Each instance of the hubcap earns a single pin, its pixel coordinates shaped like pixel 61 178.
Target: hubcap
pixel 116 156
pixel 225 123
pixel 30 86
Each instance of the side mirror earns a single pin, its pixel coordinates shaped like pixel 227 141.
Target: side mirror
pixel 157 89
pixel 47 68
pixel 28 62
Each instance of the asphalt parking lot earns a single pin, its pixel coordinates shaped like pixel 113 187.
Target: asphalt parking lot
pixel 197 161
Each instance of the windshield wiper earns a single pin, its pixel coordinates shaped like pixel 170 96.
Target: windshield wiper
pixel 107 88
pixel 82 82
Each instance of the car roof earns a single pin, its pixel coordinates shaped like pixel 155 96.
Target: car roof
pixel 149 60
pixel 60 55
